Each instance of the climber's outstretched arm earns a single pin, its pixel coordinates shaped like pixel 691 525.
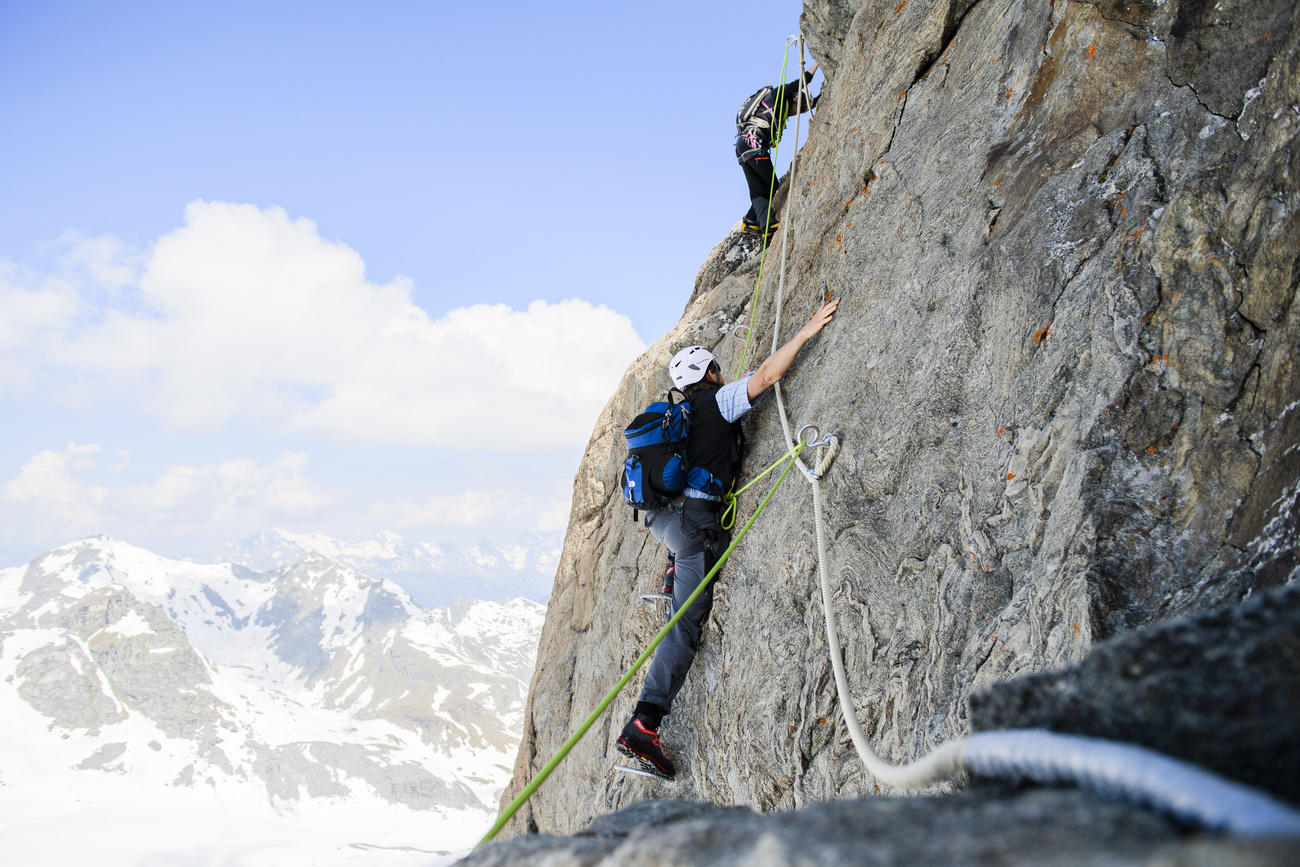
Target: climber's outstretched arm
pixel 779 362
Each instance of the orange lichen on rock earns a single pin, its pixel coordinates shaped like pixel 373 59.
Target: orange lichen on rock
pixel 1092 49
pixel 1045 334
pixel 1010 90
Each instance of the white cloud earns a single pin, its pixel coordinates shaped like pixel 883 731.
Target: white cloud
pixel 463 509
pixel 555 517
pixel 240 493
pixel 51 498
pixel 103 261
pixel 32 320
pixel 248 315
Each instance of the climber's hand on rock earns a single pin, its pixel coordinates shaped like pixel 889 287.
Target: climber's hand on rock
pixel 820 318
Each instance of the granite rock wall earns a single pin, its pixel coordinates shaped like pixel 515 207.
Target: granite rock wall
pixel 1063 374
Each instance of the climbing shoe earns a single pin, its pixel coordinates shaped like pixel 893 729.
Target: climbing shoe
pixel 755 229
pixel 641 744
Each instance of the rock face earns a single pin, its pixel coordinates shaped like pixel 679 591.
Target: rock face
pixel 1066 239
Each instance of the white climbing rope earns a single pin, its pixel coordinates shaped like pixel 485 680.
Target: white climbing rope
pixel 1128 773
pixel 1124 771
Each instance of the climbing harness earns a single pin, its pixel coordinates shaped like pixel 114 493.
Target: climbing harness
pixel 789 458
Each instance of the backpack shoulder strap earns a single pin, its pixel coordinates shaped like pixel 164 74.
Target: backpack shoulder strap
pixel 753 107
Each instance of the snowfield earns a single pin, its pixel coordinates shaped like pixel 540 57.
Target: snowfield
pixel 163 712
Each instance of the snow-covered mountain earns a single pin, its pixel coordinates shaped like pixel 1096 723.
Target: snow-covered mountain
pixel 433 574
pixel 226 702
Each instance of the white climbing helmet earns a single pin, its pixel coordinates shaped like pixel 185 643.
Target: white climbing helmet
pixel 689 365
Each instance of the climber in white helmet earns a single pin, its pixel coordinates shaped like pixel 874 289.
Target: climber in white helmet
pixel 690 527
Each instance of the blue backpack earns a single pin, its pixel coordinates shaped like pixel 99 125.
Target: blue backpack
pixel 656 468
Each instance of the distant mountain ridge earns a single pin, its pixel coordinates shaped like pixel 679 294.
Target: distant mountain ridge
pixel 433 574
pixel 308 688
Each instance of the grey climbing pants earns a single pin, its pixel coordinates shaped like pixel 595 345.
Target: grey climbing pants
pixel 696 539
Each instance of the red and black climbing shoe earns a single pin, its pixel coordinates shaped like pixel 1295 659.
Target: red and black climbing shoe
pixel 641 744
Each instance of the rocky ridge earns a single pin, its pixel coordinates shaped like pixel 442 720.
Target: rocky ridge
pixel 1066 237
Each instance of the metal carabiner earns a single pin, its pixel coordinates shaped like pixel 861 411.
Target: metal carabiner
pixel 735 332
pixel 817 432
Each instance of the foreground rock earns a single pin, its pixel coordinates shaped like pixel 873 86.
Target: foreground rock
pixel 1221 689
pixel 985 827
pixel 1063 371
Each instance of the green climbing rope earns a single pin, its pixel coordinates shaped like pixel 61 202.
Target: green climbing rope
pixel 789 457
pixel 771 192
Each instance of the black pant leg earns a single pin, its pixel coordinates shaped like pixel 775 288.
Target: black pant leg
pixel 759 177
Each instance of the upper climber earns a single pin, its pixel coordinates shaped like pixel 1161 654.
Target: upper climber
pixel 759 124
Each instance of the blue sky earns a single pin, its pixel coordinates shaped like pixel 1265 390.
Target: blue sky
pixel 344 267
